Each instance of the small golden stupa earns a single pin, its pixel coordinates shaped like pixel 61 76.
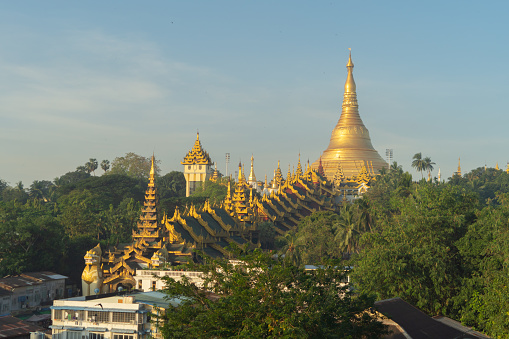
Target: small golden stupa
pixel 350 145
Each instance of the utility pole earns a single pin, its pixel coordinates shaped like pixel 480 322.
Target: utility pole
pixel 227 161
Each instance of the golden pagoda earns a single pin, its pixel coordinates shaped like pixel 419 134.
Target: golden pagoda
pixel 350 143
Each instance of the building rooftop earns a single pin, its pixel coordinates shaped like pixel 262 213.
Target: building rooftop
pixel 11 327
pixel 419 325
pixel 28 279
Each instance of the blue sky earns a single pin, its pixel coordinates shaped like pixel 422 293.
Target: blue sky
pixel 99 79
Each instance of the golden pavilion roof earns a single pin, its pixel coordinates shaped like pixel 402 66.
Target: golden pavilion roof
pixel 350 142
pixel 197 154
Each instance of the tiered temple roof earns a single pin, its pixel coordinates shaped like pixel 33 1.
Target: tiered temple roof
pixel 197 154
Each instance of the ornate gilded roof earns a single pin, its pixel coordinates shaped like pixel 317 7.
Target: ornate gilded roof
pixel 197 154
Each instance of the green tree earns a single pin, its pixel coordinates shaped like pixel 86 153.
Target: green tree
pixel 418 163
pixel 42 190
pixel 266 235
pixel 428 165
pixel 171 185
pixel 266 298
pixel 316 237
pixel 414 254
pixel 30 238
pixel 348 230
pixel 213 191
pixel 105 165
pixel 72 177
pixel 133 165
pixel 91 165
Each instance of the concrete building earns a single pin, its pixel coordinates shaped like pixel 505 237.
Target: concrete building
pixel 30 290
pixel 110 317
pixel 150 280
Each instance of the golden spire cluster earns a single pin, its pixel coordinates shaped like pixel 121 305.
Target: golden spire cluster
pixel 197 154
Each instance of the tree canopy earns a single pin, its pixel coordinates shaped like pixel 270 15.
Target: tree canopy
pixel 262 297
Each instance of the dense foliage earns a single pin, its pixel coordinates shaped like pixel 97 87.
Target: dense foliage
pixel 51 224
pixel 262 297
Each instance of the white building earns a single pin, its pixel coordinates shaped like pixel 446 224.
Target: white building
pixel 112 317
pixel 150 280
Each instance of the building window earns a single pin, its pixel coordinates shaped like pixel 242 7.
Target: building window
pixel 122 336
pixel 123 317
pixel 153 285
pixel 140 284
pixel 99 317
pixel 189 167
pixel 96 336
pixel 199 167
pixel 57 314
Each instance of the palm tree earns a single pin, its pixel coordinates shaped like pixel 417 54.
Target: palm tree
pixel 291 250
pixel 105 165
pixel 418 163
pixel 428 165
pixel 347 231
pixel 91 165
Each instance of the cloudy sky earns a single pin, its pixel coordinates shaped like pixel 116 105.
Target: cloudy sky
pixel 98 79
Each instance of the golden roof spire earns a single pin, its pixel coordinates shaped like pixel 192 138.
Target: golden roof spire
pixel 299 168
pixel 240 178
pixel 197 154
pixel 496 167
pixel 350 83
pixel 152 168
pixel 350 141
pixel 459 167
pixel 252 177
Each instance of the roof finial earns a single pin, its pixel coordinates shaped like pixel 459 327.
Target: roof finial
pixel 350 83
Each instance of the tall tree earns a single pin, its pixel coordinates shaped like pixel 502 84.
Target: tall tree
pixel 428 165
pixel 133 165
pixel 91 165
pixel 105 165
pixel 418 163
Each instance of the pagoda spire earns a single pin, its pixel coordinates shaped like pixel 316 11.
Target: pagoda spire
pixel 350 141
pixel 459 167
pixel 299 169
pixel 252 177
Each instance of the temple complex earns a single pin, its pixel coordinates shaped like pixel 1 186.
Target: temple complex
pixel 344 172
pixel 350 145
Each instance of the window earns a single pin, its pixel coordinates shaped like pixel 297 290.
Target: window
pixel 99 317
pixel 57 314
pixel 122 317
pixel 140 286
pixel 153 285
pixel 199 167
pixel 96 336
pixel 78 315
pixel 122 336
pixel 73 335
pixel 189 167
